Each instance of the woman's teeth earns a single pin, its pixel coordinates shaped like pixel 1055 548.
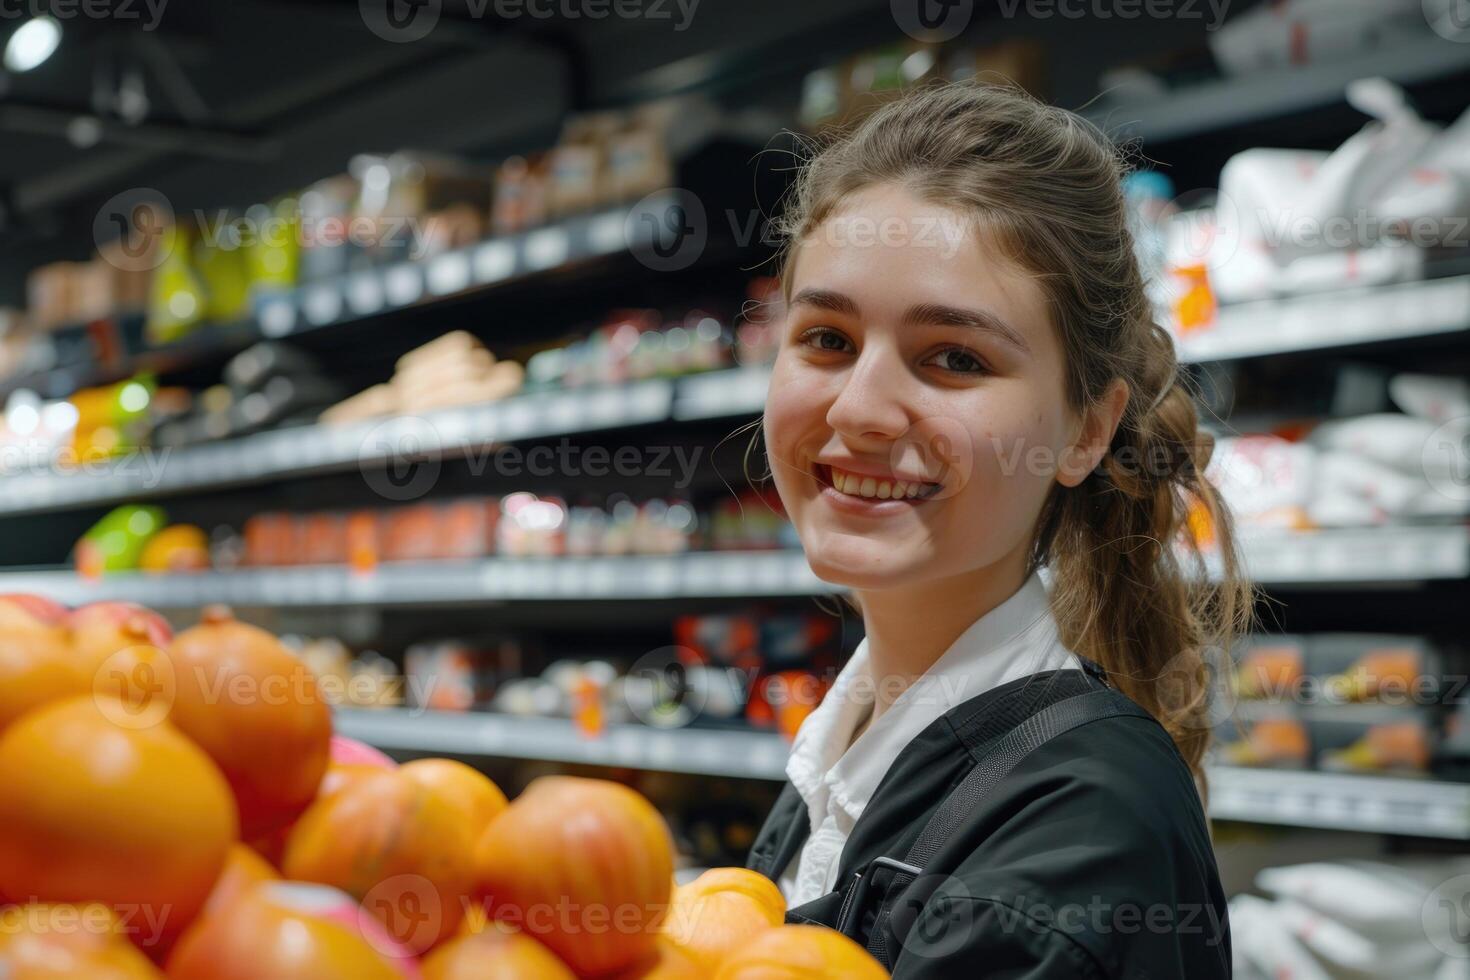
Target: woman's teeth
pixel 871 487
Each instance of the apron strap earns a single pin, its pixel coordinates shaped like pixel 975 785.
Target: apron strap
pixel 956 808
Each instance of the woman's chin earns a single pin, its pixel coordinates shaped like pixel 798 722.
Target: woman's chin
pixel 860 569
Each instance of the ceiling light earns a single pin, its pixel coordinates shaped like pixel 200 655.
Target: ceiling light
pixel 32 43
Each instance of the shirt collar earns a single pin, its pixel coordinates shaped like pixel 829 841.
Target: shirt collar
pixel 1016 638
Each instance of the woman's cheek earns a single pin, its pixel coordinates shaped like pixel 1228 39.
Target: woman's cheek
pixel 780 425
pixel 1013 470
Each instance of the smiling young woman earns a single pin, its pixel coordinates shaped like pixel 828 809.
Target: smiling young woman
pixel 975 424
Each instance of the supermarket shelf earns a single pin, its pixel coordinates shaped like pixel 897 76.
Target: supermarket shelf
pixel 492 263
pixel 1371 314
pixel 1336 556
pixel 693 575
pixel 721 393
pixel 1388 554
pixel 752 755
pixel 1331 801
pixel 1372 804
pixel 489 263
pixel 374 444
pixel 1264 95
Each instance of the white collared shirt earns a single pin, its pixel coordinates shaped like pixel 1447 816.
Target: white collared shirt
pixel 1016 638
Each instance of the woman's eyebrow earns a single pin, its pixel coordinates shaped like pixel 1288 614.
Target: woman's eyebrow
pixel 826 299
pixel 937 314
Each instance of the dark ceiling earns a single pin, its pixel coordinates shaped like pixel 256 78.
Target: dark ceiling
pixel 247 99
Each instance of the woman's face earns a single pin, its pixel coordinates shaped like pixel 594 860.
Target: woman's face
pixel 911 352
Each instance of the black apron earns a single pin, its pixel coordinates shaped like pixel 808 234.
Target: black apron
pixel 927 881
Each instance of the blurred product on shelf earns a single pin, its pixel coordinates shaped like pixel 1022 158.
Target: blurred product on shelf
pixel 1355 702
pixel 632 345
pixel 116 543
pixel 751 669
pixel 454 369
pixel 269 385
pixel 368 680
pixel 454 675
pixel 109 421
pixel 1294 221
pixel 1376 469
pixel 519 524
pixel 838 95
pixel 1293 33
pixel 411 205
pixel 176 548
pixel 751 521
pixel 113 283
pixel 1341 919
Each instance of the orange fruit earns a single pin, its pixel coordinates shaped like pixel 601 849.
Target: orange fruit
pixel 584 865
pixel 750 883
pixel 473 794
pixel 92 811
pixel 400 849
pixel 257 711
pixel 711 925
pixel 34 670
pixel 494 954
pixel 289 931
pixel 24 613
pixel 800 953
pixel 668 962
pixel 68 942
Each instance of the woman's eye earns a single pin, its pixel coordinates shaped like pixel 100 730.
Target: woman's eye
pixel 825 339
pixel 961 361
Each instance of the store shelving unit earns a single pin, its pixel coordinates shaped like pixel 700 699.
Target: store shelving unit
pixel 315 449
pixel 562 245
pixel 568 245
pixel 1371 804
pixel 1273 94
pixel 1354 316
pixel 747 754
pixel 1333 801
pixel 1330 557
pixel 1364 315
pixel 693 575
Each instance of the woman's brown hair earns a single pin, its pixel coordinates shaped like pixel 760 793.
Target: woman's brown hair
pixel 1130 588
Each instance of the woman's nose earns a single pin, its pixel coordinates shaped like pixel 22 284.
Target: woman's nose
pixel 870 402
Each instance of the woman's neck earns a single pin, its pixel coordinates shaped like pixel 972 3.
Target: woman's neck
pixel 909 628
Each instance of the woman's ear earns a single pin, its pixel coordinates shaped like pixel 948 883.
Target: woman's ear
pixel 1098 427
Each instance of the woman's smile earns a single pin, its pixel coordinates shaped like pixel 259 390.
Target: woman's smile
pixel 868 495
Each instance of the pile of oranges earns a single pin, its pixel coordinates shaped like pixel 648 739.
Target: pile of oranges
pixel 178 806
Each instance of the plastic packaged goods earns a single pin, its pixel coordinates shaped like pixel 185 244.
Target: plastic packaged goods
pixel 834 96
pixel 1347 702
pixel 1355 918
pixel 450 675
pixel 1303 32
pixel 1378 745
pixel 1296 221
pixel 520 196
pixel 452 370
pixel 398 193
pixel 116 543
pixel 1149 195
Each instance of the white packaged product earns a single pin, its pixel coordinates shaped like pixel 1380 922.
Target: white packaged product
pixel 1297 32
pixel 1266 480
pixel 1261 943
pixel 1387 438
pixel 1437 398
